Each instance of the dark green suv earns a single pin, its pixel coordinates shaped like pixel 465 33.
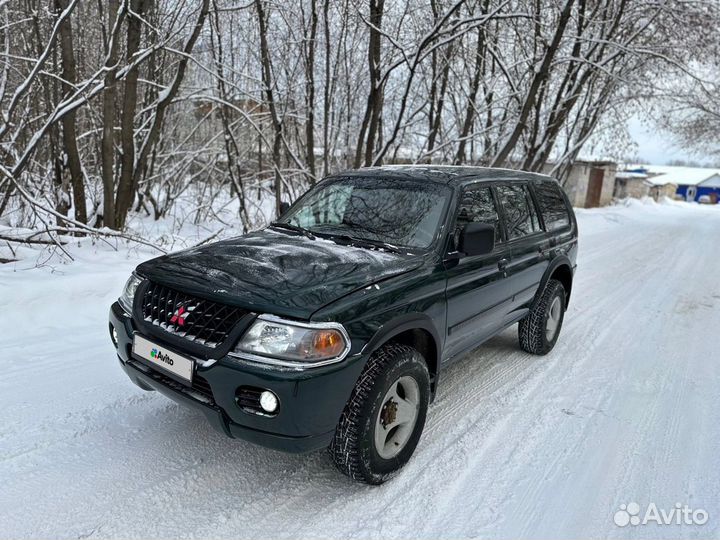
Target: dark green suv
pixel 331 327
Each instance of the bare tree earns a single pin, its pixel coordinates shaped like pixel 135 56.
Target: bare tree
pixel 70 144
pixel 125 192
pixel 541 72
pixel 373 109
pixel 310 90
pixel 267 79
pixel 111 29
pixel 129 107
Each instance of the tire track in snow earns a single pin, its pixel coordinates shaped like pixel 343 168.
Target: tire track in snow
pixel 623 292
pixel 499 456
pixel 458 406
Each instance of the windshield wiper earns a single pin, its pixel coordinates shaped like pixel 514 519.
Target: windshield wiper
pixel 291 227
pixel 362 242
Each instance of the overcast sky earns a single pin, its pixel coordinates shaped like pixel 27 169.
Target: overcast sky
pixel 655 147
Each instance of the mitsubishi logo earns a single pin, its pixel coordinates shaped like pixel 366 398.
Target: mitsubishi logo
pixel 180 315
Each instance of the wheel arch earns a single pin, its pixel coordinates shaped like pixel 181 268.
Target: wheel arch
pixel 416 330
pixel 560 269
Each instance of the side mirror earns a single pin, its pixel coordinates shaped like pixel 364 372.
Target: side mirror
pixel 284 207
pixel 477 239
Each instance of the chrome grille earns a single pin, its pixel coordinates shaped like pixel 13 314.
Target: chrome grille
pixel 195 319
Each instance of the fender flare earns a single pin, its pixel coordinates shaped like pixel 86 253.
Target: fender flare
pixel 557 262
pixel 403 323
pixel 398 325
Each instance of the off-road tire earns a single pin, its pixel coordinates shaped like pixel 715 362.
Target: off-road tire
pixel 352 448
pixel 531 330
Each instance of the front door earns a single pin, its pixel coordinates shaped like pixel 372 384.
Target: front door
pixel 691 192
pixel 477 298
pixel 594 190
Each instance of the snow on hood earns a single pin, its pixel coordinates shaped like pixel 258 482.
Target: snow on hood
pixel 275 272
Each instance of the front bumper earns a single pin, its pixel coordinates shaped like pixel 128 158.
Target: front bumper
pixel 311 401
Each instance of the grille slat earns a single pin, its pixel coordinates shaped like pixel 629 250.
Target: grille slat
pixel 162 304
pixel 202 386
pixel 248 399
pixel 156 303
pixel 225 319
pixel 208 320
pixel 198 320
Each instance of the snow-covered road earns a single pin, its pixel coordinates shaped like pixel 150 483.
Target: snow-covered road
pixel 626 408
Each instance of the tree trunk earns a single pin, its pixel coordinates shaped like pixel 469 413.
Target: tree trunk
pixel 469 120
pixel 267 83
pixel 50 96
pixel 542 73
pixel 231 145
pixel 373 109
pixel 125 194
pixel 107 145
pixel 437 95
pixel 376 99
pixel 326 100
pixel 69 75
pixel 166 97
pixel 310 92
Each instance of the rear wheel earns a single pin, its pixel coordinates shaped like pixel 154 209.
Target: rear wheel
pixel 539 330
pixel 384 417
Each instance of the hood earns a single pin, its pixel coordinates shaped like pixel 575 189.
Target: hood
pixel 274 272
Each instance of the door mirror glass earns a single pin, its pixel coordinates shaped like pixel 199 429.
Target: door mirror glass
pixel 477 239
pixel 284 207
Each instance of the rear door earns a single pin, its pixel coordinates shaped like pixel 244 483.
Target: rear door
pixel 528 246
pixel 477 298
pixel 558 219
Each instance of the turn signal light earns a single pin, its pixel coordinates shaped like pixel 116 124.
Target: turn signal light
pixel 328 343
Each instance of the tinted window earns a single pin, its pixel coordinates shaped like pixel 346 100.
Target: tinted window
pixel 520 214
pixel 403 213
pixel 552 205
pixel 477 206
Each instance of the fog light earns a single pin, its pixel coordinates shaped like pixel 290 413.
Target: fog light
pixel 268 401
pixel 114 335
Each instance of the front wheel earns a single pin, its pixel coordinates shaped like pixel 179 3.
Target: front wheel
pixel 384 417
pixel 539 330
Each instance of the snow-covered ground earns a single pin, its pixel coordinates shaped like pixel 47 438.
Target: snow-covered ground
pixel 625 409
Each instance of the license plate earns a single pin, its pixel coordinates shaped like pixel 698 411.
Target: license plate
pixel 163 358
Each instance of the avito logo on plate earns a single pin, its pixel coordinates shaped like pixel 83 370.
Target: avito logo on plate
pixel 630 514
pixel 159 355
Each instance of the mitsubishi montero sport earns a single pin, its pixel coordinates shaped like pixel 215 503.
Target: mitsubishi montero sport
pixel 330 328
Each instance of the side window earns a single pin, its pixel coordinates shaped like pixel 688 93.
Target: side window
pixel 520 214
pixel 552 205
pixel 477 206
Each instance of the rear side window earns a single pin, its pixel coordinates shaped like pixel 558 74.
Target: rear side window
pixel 552 206
pixel 520 214
pixel 477 206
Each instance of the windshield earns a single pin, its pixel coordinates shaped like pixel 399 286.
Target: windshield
pixel 404 213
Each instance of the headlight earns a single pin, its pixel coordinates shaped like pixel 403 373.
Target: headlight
pixel 128 294
pixel 276 341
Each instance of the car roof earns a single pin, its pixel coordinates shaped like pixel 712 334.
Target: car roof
pixel 442 174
